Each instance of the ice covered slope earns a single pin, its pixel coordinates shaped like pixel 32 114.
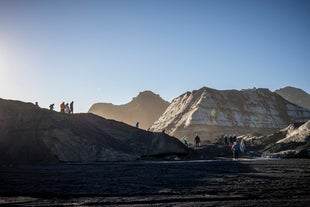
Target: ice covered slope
pixel 213 113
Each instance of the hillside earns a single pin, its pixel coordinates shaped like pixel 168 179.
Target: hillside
pixel 295 95
pixel 146 108
pixel 293 141
pixel 212 113
pixel 29 134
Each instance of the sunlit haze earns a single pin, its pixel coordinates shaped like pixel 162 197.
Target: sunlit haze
pixel 110 50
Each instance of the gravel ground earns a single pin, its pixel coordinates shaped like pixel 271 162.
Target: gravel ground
pixel 158 183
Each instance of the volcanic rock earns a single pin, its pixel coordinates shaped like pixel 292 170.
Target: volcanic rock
pixel 212 113
pixel 29 134
pixel 146 108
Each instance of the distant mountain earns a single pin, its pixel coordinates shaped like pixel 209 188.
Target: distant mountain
pixel 29 134
pixel 295 95
pixel 212 113
pixel 146 108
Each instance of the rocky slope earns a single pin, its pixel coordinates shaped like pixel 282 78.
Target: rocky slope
pixel 291 142
pixel 146 108
pixel 295 95
pixel 29 134
pixel 213 113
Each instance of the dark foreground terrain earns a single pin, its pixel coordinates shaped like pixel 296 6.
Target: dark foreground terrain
pixel 192 183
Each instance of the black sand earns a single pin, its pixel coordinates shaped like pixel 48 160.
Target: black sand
pixel 201 183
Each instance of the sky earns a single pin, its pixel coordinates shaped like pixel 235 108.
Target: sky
pixel 90 51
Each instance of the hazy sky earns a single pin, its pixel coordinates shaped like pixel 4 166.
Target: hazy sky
pixel 110 50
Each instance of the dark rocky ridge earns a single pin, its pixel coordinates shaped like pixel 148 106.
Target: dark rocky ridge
pixel 146 108
pixel 29 134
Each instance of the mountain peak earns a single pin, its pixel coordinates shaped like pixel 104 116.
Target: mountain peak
pixel 295 95
pixel 211 113
pixel 145 108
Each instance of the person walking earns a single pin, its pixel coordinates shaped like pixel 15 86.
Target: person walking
pixel 185 140
pixel 71 107
pixel 197 141
pixel 67 108
pixel 62 107
pixel 243 145
pixel 235 148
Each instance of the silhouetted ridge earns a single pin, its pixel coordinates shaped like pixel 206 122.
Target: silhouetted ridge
pixel 146 108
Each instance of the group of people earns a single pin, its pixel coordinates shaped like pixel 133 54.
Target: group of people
pixel 64 108
pixel 230 139
pixel 197 141
pixel 238 147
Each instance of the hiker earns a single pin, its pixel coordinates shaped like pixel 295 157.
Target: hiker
pixel 71 107
pixel 52 107
pixel 185 140
pixel 137 125
pixel 62 107
pixel 234 138
pixel 197 140
pixel 226 140
pixel 243 145
pixel 235 149
pixel 67 108
pixel 231 140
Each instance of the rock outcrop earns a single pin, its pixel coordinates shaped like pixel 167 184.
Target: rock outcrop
pixel 295 95
pixel 146 108
pixel 213 113
pixel 291 142
pixel 29 134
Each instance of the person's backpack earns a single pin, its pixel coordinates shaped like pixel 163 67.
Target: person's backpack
pixel 236 147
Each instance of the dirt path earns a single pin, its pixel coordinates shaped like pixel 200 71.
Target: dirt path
pixel 217 183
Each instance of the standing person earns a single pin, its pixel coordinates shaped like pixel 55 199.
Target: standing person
pixel 243 145
pixel 197 140
pixel 185 140
pixel 67 108
pixel 137 125
pixel 62 107
pixel 226 141
pixel 235 149
pixel 71 107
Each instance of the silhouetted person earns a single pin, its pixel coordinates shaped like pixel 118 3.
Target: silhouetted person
pixel 71 107
pixel 67 108
pixel 137 125
pixel 62 107
pixel 226 140
pixel 52 107
pixel 197 140
pixel 37 104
